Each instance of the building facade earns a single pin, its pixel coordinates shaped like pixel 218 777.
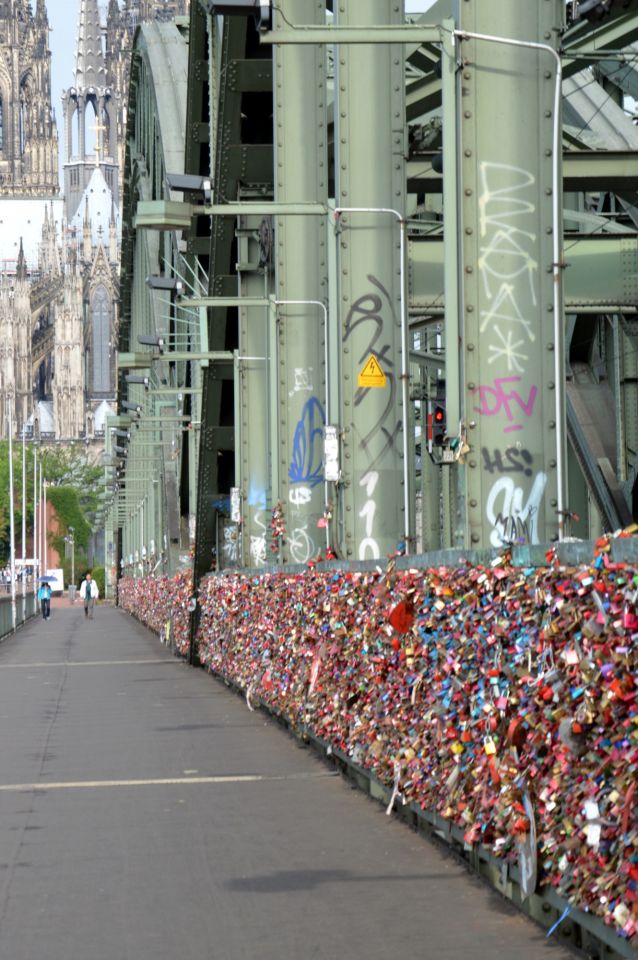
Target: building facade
pixel 60 254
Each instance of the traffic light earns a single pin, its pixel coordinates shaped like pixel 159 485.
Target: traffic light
pixel 439 425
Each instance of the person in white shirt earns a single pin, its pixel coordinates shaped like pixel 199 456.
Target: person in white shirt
pixel 89 593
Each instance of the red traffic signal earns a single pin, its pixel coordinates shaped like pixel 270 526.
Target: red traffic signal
pixel 439 432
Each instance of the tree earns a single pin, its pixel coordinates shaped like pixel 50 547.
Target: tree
pixel 67 467
pixel 17 492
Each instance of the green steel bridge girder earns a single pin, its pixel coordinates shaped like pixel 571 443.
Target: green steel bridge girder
pixel 584 43
pixel 583 171
pixel 601 274
pixel 178 214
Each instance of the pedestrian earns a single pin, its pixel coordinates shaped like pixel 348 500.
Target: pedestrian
pixel 44 596
pixel 89 593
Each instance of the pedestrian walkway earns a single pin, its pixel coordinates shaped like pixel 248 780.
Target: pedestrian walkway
pixel 147 813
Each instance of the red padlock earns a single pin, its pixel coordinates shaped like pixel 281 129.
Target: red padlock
pixel 516 732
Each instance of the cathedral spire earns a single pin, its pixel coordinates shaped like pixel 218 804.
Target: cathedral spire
pixel 89 65
pixel 21 266
pixel 29 142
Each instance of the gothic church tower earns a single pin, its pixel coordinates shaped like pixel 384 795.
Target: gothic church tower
pixel 95 134
pixel 91 108
pixel 28 185
pixel 59 256
pixel 68 395
pixel 28 133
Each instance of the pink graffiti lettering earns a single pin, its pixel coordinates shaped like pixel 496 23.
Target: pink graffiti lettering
pixel 496 398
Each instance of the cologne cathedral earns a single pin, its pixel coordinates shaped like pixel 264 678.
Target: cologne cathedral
pixel 59 248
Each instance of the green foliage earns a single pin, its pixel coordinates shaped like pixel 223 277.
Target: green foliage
pixel 17 491
pixel 66 468
pixel 69 467
pixel 66 503
pixel 98 575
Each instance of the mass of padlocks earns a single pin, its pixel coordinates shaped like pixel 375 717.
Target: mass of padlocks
pixel 161 603
pixel 504 698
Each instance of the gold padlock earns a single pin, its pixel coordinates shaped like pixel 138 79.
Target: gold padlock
pixel 489 746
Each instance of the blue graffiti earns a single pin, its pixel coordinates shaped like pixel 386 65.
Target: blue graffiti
pixel 307 449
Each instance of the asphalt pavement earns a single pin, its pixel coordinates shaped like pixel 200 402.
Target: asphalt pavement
pixel 147 814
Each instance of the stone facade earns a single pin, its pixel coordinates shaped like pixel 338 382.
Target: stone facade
pixel 60 257
pixel 28 134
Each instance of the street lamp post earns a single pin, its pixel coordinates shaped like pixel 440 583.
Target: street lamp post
pixel 24 525
pixel 70 540
pixel 44 529
pixel 12 534
pixel 35 520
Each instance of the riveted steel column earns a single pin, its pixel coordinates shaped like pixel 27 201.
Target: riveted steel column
pixel 301 173
pixel 254 449
pixel 512 321
pixel 370 147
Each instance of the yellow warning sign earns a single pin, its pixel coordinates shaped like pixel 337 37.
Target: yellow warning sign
pixel 371 374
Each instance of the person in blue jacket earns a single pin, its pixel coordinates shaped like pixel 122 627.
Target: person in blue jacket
pixel 44 596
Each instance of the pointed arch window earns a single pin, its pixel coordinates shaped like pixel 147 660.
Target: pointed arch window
pixel 101 329
pixel 22 122
pixel 24 115
pixel 1 123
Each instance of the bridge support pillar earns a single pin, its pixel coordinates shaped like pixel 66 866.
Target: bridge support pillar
pixel 370 150
pixel 301 269
pixel 511 323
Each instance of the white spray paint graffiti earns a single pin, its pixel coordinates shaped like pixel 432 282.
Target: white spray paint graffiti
pixel 509 270
pixel 508 350
pixel 302 382
pixel 504 257
pixel 367 513
pixel 258 543
pixel 505 307
pixel 514 521
pixel 504 247
pixel 301 545
pixel 300 496
pixel 230 546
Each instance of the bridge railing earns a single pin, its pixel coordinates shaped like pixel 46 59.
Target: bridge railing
pixel 25 609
